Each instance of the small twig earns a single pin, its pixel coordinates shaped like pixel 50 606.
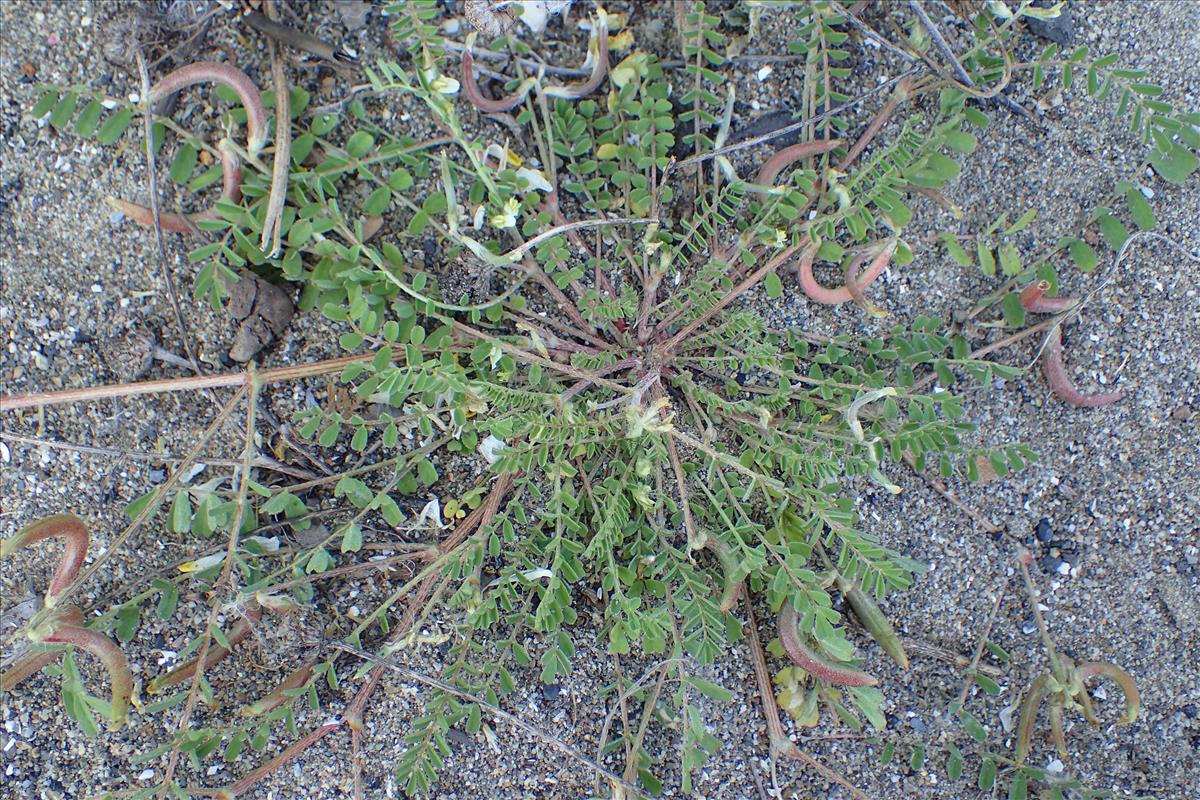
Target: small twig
pixel 973 666
pixel 273 221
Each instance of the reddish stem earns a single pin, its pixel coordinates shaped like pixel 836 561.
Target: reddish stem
pixel 231 190
pixel 830 297
pixel 216 653
pixel 1060 382
pixel 107 651
pixel 74 534
pixel 276 698
pixel 789 155
pixel 812 662
pixel 899 95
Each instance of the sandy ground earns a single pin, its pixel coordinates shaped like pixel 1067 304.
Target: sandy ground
pixel 1119 487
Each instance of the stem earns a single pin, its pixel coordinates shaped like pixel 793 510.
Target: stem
pixel 214 655
pixel 1133 701
pixel 228 379
pixel 734 293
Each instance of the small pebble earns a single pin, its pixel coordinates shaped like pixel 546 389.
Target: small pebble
pixel 1043 531
pixel 551 691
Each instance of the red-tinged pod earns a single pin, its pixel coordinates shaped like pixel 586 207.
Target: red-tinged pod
pixel 482 102
pixel 1029 708
pixel 216 654
pixel 39 655
pixel 875 622
pixel 74 534
pixel 598 56
pixel 1133 700
pixel 231 190
pixel 852 285
pixel 808 659
pixel 1033 299
pixel 790 155
pixel 234 78
pixel 831 297
pixel 1060 382
pixel 108 652
pixel 276 698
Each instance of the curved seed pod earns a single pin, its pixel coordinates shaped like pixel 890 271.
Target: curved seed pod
pixel 856 292
pixel 790 155
pixel 234 78
pixel 875 621
pixel 1060 382
pixel 231 190
pixel 276 698
pixel 107 651
pixel 256 137
pixel 597 57
pixel 216 654
pixel 74 534
pixel 1029 708
pixel 831 297
pixel 39 655
pixel 1056 729
pixel 807 659
pixel 1033 298
pixel 1133 701
pixel 724 556
pixel 482 102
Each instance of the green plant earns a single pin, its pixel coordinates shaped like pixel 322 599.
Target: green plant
pixel 650 436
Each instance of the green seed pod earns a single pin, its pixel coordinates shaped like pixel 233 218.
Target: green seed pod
pixel 875 621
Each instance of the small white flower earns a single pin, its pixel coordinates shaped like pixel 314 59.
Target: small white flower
pixel 432 511
pixel 507 218
pixel 201 564
pixel 490 449
pixel 779 239
pixel 534 179
pixel 269 545
pixel 443 85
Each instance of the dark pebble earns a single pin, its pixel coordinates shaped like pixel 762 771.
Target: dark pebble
pixel 1049 564
pixel 918 725
pixel 1043 531
pixel 1059 30
pixel 551 691
pixel 1189 710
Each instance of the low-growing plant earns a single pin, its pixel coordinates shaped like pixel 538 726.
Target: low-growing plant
pixel 601 315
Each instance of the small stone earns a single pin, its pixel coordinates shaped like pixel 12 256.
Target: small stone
pixel 1043 531
pixel 1060 29
pixel 551 691
pixel 28 69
